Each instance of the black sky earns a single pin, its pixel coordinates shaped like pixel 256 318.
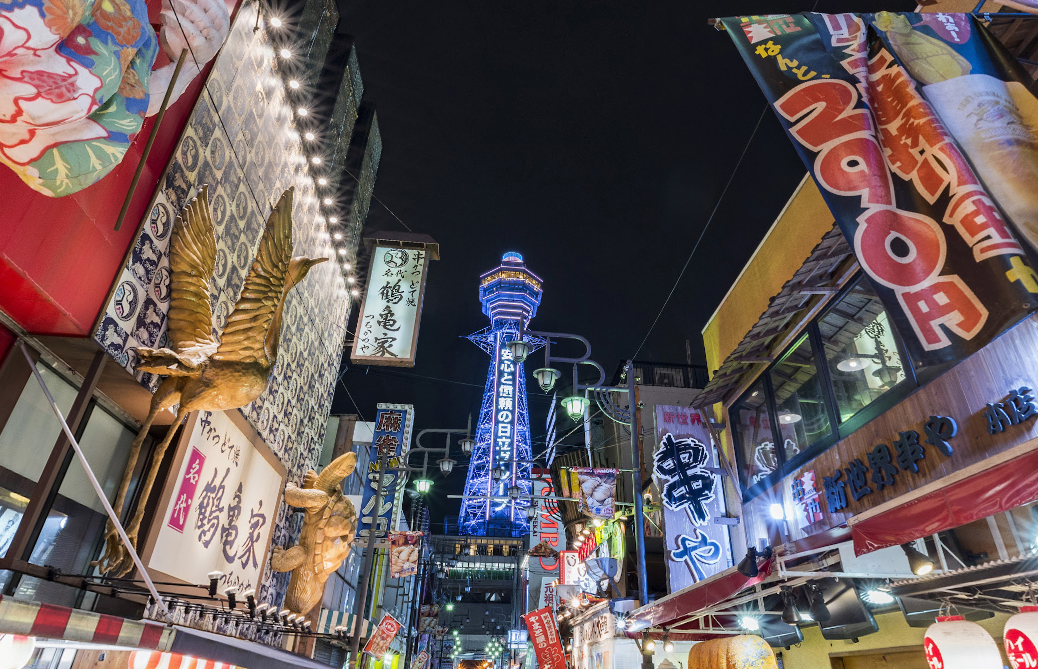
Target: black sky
pixel 593 137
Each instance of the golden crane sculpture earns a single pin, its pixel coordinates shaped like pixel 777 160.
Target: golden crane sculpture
pixel 201 372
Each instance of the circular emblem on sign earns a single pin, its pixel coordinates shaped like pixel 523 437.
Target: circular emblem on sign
pixel 161 285
pixel 220 317
pixel 219 208
pixel 189 153
pixel 161 221
pixel 395 258
pixel 217 152
pixel 126 300
pixel 221 263
pixel 241 206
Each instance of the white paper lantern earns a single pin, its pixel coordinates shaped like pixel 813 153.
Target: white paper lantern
pixel 955 643
pixel 15 650
pixel 1020 634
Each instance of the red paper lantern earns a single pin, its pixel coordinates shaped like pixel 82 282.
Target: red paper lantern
pixel 955 643
pixel 1019 636
pixel 15 650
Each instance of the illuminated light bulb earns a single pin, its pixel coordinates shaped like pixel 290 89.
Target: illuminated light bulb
pixel 322 181
pixel 333 219
pixel 316 160
pixel 292 83
pixel 310 136
pixel 302 112
pixel 355 293
pixel 347 266
pixel 337 235
pixel 327 200
pixel 342 252
pixel 350 279
pixel 275 21
pixel 286 54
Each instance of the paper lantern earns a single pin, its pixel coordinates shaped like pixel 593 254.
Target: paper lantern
pixel 955 643
pixel 1019 636
pixel 15 650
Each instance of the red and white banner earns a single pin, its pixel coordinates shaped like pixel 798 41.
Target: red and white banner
pixel 384 634
pixel 421 660
pixel 545 638
pixel 50 621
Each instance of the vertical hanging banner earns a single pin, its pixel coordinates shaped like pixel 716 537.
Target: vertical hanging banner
pixel 383 635
pixel 392 438
pixel 405 549
pixel 944 256
pixel 387 328
pixel 692 497
pixel 544 568
pixel 545 637
pixel 597 491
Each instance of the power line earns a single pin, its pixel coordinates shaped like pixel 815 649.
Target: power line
pixel 702 232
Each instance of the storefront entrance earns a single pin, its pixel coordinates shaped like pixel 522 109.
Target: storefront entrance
pixel 902 658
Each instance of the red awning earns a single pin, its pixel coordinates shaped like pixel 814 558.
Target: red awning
pixel 1000 488
pixel 697 597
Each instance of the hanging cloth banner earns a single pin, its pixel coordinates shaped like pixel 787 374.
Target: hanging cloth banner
pixel 383 636
pixel 597 490
pixel 405 549
pixel 545 638
pixel 946 260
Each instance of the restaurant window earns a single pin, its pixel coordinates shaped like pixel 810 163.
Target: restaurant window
pixel 861 349
pixel 846 368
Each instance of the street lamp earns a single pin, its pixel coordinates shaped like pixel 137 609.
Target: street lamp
pixel 423 485
pixel 515 492
pixel 499 473
pixel 467 445
pixel 546 377
pixel 520 349
pixel 575 406
pixel 446 465
pixel 532 511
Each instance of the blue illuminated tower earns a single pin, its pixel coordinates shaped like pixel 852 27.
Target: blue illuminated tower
pixel 510 295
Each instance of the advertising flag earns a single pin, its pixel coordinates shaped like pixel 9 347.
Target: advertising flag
pixel 880 108
pixel 405 548
pixel 383 635
pixel 391 438
pixel 545 637
pixel 597 490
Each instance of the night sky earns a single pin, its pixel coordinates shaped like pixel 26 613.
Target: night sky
pixel 592 137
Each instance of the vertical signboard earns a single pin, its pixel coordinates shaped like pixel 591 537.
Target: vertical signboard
pixel 544 570
pixel 503 435
pixel 387 328
pixel 692 495
pixel 220 506
pixel 593 642
pixel 933 239
pixel 392 438
pixel 382 637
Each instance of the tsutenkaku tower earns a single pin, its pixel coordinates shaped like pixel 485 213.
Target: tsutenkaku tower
pixel 510 295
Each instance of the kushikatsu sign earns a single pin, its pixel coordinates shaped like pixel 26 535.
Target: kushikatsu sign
pixel 387 329
pixel 219 509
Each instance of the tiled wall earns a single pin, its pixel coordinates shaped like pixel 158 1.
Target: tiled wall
pixel 242 143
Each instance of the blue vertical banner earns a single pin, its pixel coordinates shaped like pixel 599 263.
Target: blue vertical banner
pixel 392 439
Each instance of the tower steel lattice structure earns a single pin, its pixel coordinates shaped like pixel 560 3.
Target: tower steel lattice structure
pixel 510 295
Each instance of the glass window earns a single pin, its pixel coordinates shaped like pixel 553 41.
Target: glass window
pixel 861 350
pixel 803 417
pixel 756 440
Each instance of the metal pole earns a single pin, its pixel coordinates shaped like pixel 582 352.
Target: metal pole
pixel 97 486
pixel 639 516
pixel 369 559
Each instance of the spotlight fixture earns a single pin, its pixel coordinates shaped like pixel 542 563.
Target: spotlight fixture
pixel 333 219
pixel 286 54
pixel 355 293
pixel 749 623
pixel 649 646
pixel 347 266
pixel 819 611
pixel 877 597
pixel 214 580
pixel 250 600
pixel 302 112
pixel 322 181
pixel 790 615
pixel 777 512
pixel 350 279
pixel 310 136
pixel 261 609
pixel 275 22
pixel 230 591
pixel 748 565
pixel 668 645
pixel 917 562
pixel 283 615
pixel 316 160
pixel 337 236
pixel 342 252
pixel 327 200
pixel 293 84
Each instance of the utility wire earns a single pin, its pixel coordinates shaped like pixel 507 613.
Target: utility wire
pixel 702 232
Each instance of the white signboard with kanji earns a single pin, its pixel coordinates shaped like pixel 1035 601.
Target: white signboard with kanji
pixel 218 511
pixel 387 329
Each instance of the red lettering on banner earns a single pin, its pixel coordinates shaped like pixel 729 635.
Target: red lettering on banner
pixel 855 166
pixel 849 30
pixel 921 239
pixel 946 301
pixel 831 116
pixel 980 223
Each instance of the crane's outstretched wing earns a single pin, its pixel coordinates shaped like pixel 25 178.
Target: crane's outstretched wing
pixel 192 258
pixel 243 338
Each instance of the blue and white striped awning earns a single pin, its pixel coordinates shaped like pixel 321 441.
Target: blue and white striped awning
pixel 331 619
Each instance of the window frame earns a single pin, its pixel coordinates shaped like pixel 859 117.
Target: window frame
pixel 838 430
